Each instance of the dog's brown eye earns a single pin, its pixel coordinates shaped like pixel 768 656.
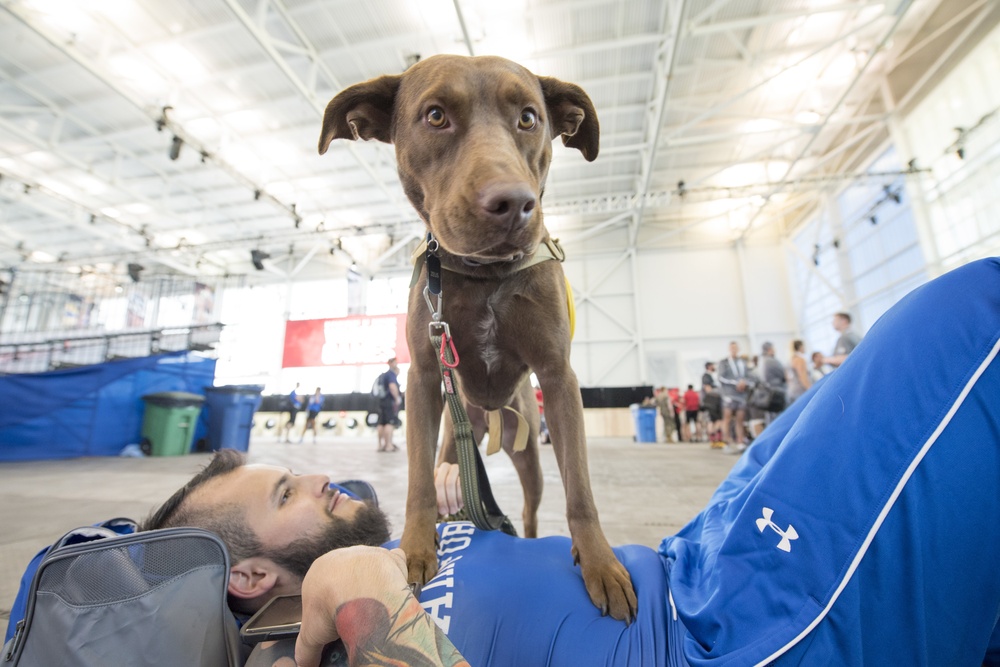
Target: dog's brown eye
pixel 436 117
pixel 527 119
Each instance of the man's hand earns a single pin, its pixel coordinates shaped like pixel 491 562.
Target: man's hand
pixel 361 595
pixel 741 385
pixel 449 489
pixel 336 580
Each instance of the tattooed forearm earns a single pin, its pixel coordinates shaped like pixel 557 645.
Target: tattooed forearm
pixel 376 635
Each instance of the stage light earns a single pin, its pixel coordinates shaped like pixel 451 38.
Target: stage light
pixel 134 270
pixel 162 121
pixel 258 257
pixel 873 220
pixel 175 147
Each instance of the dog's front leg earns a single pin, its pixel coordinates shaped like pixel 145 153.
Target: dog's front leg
pixel 423 419
pixel 608 582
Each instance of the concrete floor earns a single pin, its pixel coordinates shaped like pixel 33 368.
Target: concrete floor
pixel 643 491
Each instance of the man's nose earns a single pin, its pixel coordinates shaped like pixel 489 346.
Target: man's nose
pixel 315 484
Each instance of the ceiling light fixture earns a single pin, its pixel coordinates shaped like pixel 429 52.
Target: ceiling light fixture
pixel 175 147
pixel 258 257
pixel 134 271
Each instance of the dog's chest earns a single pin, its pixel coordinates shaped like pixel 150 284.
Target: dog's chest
pixel 491 328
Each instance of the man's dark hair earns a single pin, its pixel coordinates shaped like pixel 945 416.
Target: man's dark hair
pixel 228 521
pixel 847 318
pixel 709 364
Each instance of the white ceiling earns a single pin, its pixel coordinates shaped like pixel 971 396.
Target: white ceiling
pixel 758 106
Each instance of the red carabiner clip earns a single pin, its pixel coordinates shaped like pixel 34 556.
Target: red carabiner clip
pixel 450 342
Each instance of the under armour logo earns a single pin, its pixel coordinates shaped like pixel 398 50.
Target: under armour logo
pixel 786 535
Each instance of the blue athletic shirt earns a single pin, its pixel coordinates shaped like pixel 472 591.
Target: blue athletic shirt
pixel 505 600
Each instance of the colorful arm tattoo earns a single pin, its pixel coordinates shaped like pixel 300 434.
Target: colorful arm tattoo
pixel 378 636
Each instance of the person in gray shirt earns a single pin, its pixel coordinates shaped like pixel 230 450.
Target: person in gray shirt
pixel 846 343
pixel 770 372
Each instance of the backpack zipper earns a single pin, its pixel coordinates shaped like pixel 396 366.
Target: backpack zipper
pixel 14 641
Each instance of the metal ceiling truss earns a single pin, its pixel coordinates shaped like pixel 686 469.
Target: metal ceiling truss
pixel 901 10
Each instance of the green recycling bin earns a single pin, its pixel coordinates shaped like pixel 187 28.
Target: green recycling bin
pixel 169 422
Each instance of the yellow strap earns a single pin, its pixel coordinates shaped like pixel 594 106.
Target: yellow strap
pixel 521 437
pixel 571 307
pixel 496 430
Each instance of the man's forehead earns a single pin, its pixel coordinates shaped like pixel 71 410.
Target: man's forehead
pixel 243 482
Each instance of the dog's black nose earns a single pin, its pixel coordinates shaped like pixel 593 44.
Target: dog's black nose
pixel 509 205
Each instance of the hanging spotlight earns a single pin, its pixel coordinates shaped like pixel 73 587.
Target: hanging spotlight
pixel 134 270
pixel 175 147
pixel 873 220
pixel 889 194
pixel 960 152
pixel 161 122
pixel 258 257
pixel 681 189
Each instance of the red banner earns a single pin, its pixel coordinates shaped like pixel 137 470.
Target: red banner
pixel 345 341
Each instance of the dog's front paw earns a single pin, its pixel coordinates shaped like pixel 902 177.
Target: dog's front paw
pixel 421 556
pixel 608 583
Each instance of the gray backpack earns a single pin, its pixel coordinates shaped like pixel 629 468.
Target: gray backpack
pixel 149 599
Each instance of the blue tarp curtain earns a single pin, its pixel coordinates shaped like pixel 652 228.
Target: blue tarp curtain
pixel 92 410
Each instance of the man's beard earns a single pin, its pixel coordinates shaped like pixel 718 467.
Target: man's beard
pixel 370 527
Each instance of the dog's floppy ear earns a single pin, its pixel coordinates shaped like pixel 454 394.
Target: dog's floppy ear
pixel 361 111
pixel 572 115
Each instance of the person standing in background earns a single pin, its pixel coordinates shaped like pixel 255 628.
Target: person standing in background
pixel 692 404
pixel 798 372
pixel 846 343
pixel 771 373
pixel 708 377
pixel 734 378
pixel 817 371
pixel 543 428
pixel 294 405
pixel 313 408
pixel 388 408
pixel 661 399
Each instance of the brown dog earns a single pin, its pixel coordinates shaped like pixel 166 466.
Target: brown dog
pixel 473 146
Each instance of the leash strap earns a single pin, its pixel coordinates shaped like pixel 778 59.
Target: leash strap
pixel 433 266
pixel 480 504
